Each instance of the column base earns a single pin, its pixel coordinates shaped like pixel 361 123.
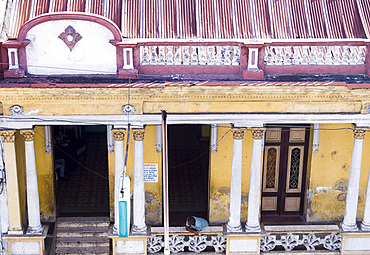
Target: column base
pixel 365 227
pixel 233 229
pixel 349 228
pixel 128 74
pixel 252 229
pixel 35 230
pixel 139 230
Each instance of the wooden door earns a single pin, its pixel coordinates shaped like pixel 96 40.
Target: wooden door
pixel 284 171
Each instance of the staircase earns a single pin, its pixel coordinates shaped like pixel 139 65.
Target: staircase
pixel 82 235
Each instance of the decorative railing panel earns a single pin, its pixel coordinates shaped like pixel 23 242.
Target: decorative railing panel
pixel 188 243
pixel 315 55
pixel 190 55
pixel 309 242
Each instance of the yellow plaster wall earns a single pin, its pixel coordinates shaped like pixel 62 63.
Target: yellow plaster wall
pixel 153 191
pixel 220 175
pixel 329 173
pixel 21 169
pixel 45 177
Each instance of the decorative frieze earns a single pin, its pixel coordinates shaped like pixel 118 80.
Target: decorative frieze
pixel 195 244
pixel 138 134
pixel 238 133
pixel 257 133
pixel 332 242
pixel 28 135
pixel 118 134
pixel 359 133
pixel 8 136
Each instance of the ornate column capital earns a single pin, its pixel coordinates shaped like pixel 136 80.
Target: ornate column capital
pixel 28 135
pixel 8 136
pixel 138 134
pixel 359 133
pixel 238 133
pixel 257 133
pixel 118 134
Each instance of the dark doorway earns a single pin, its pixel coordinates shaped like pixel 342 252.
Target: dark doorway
pixel 284 173
pixel 83 188
pixel 188 162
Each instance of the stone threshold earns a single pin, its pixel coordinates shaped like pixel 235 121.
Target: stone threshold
pixel 301 228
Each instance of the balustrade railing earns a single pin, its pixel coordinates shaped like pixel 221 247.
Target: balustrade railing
pixel 190 55
pixel 315 55
pixel 251 59
pixel 188 243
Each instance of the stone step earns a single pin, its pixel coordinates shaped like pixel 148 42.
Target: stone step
pixel 83 224
pixel 82 230
pixel 71 233
pixel 82 235
pixel 84 250
pixel 82 242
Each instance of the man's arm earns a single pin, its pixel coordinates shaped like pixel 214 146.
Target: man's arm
pixel 192 230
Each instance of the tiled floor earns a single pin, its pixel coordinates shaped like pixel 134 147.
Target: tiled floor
pixel 85 190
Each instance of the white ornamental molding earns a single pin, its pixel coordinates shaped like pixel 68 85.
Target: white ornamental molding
pixel 331 242
pixel 128 109
pixel 195 244
pixel 16 110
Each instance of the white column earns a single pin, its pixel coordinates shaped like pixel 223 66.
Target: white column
pixel 365 225
pixel 139 225
pixel 33 203
pixel 214 138
pixel 4 213
pixel 349 222
pixel 158 143
pixel 118 137
pixel 234 225
pixel 254 196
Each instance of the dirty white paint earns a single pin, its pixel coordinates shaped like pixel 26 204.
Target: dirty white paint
pixel 48 55
pixel 25 248
pixel 357 244
pixel 130 247
pixel 243 245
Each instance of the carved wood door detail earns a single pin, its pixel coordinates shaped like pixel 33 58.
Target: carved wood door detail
pixel 284 170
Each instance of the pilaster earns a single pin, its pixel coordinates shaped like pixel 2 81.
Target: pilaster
pixel 14 209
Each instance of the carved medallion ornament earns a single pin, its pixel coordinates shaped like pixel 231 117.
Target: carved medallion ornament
pixel 8 136
pixel 128 109
pixel 28 135
pixel 139 134
pixel 118 134
pixel 359 133
pixel 70 37
pixel 257 133
pixel 16 110
pixel 238 133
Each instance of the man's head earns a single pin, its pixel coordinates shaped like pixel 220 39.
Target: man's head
pixel 191 221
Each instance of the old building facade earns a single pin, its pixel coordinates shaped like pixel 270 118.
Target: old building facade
pixel 270 99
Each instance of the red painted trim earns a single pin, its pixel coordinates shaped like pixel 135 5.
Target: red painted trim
pixel 69 16
pixel 315 69
pixel 3 59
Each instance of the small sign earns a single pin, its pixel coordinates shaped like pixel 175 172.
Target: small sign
pixel 150 172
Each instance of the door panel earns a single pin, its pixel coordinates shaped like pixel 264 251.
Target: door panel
pixel 284 170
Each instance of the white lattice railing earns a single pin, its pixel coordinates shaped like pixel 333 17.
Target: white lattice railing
pixel 190 243
pixel 190 55
pixel 311 242
pixel 315 55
